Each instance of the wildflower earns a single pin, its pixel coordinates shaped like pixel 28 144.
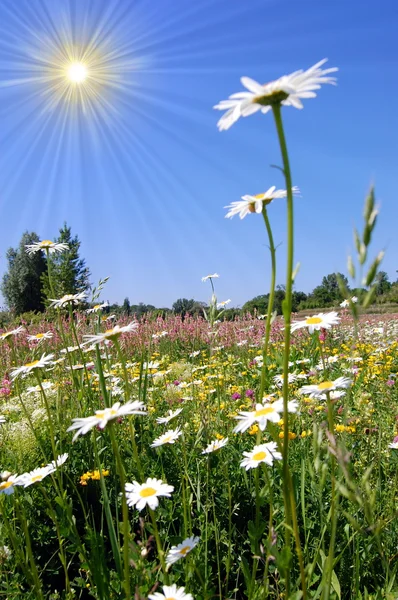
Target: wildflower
pixel 263 413
pixel 97 307
pixel 142 494
pixel 93 475
pixel 170 415
pixel 42 362
pixel 38 337
pixel 354 299
pixel 35 476
pixel 263 453
pixel 2 419
pixel 254 204
pixel 46 245
pixel 110 334
pixel 180 551
pixel 171 592
pixel 5 554
pixel 249 393
pixel 36 389
pixel 67 299
pixel 394 445
pixel 236 396
pixel 317 322
pixel 286 90
pixel 291 435
pixel 215 445
pixel 7 334
pixel 60 460
pixel 214 276
pixel 102 417
pixel 7 485
pixel 170 437
pixel 317 390
pixel 223 304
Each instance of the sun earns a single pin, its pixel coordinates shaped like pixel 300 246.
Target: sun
pixel 77 72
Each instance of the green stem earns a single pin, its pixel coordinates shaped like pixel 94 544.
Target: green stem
pixel 288 491
pixel 270 300
pixel 159 546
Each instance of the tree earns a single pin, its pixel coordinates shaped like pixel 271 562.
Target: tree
pixel 328 292
pixel 183 307
pixel 126 307
pixel 383 284
pixel 69 273
pixel 22 284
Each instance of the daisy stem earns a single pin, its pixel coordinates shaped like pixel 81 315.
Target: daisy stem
pixel 125 511
pixel 159 545
pixel 49 416
pixel 288 491
pixel 270 299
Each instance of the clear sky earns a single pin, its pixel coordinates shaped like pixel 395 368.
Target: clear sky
pixel 143 174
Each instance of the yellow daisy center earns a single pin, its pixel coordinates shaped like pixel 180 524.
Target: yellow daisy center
pixel 37 478
pixel 46 244
pixel 264 411
pixel 184 550
pixel 5 484
pixel 167 439
pixel 325 385
pixel 101 414
pixel 32 364
pixel 39 335
pixel 259 455
pixel 170 598
pixel 313 321
pixel 146 492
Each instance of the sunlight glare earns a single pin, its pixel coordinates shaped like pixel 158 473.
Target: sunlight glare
pixel 77 72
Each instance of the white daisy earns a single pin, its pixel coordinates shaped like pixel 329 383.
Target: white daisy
pixel 263 413
pixel 254 204
pixel 317 322
pixel 177 552
pixel 320 389
pixel 67 299
pixel 36 475
pixel 170 416
pixel 60 460
pixel 42 362
pixel 7 334
pixel 171 592
pixel 2 419
pixel 102 417
pixel 142 494
pixel 46 245
pixel 97 307
pixel 110 334
pixel 170 437
pixel 393 446
pixel 214 276
pixel 7 485
pixel 286 90
pixel 223 304
pixel 215 445
pixel 38 337
pixel 354 299
pixel 266 453
pixel 345 303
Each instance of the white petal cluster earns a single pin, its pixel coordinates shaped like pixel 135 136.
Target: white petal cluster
pixel 263 453
pixel 46 245
pixel 317 322
pixel 147 494
pixel 102 417
pixel 110 334
pixel 177 552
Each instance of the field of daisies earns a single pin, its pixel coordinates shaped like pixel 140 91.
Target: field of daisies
pixel 182 459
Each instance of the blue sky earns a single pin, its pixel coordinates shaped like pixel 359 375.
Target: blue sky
pixel 143 182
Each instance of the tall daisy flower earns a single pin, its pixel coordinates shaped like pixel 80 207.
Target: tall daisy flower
pixel 39 337
pixel 67 300
pixel 254 204
pixel 263 453
pixel 214 276
pixel 7 334
pixel 171 592
pixel 44 361
pixel 171 415
pixel 7 486
pixel 177 552
pixel 110 334
pixel 288 90
pixel 35 476
pixel 317 322
pixel 102 417
pixel 215 445
pixel 320 389
pixel 170 437
pixel 143 494
pixel 47 246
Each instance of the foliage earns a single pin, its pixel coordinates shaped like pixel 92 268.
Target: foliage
pixel 21 285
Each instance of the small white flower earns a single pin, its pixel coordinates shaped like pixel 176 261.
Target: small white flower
pixel 177 552
pixel 354 299
pixel 60 460
pixel 266 453
pixel 110 334
pixel 393 446
pixel 345 303
pixel 193 354
pixel 38 337
pixel 42 362
pixel 46 245
pixel 7 334
pixel 170 437
pixel 67 299
pixel 317 322
pixel 35 476
pixel 2 419
pixel 97 307
pixel 102 417
pixel 287 90
pixel 171 592
pixel 214 276
pixel 142 494
pixel 170 416
pixel 254 204
pixel 215 445
pixel 320 389
pixel 223 304
pixel 7 485
pixel 263 413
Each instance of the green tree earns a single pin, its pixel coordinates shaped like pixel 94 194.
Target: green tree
pixel 69 272
pixel 126 307
pixel 383 284
pixel 328 293
pixel 183 307
pixel 22 283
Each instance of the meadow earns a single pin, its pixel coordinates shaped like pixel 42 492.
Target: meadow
pixel 68 531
